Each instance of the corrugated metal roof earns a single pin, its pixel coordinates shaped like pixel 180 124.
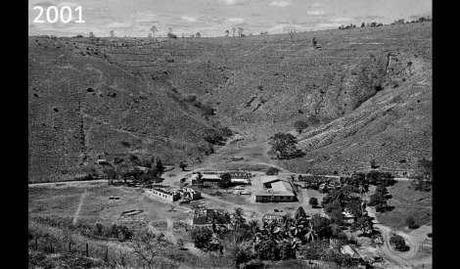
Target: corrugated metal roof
pixel 278 188
pixel 269 179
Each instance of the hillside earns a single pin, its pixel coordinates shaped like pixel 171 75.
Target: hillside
pixel 82 108
pixel 369 89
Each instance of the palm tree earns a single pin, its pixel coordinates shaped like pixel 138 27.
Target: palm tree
pixel 311 235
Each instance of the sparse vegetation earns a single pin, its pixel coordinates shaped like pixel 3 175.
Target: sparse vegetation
pixel 142 103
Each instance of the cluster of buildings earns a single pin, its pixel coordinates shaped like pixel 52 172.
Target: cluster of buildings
pixel 214 177
pixel 274 189
pixel 172 194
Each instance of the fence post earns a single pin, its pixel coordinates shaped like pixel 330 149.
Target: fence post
pixel 51 247
pixel 87 250
pixel 106 253
pixel 70 246
pixel 36 243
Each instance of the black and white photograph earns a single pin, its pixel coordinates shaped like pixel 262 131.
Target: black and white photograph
pixel 183 134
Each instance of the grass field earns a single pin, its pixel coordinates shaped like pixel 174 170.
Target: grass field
pixel 407 202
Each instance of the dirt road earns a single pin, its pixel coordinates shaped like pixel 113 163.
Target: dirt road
pixel 413 240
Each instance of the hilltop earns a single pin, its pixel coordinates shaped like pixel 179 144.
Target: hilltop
pixel 365 95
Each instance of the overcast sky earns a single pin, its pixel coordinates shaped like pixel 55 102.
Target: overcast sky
pixel 213 17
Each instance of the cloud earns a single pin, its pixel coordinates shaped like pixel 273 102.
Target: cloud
pixel 327 25
pixel 120 25
pixel 341 19
pixel 317 12
pixel 316 5
pixel 286 27
pixel 233 2
pixel 235 20
pixel 279 3
pixel 188 18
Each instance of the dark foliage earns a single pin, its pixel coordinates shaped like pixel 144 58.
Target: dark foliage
pixel 313 202
pixel 300 126
pixel 284 146
pixel 399 243
pixel 411 222
pixel 272 171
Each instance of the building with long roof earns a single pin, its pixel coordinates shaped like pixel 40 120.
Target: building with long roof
pixel 274 189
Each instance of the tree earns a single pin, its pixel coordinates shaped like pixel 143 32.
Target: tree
pixel 225 180
pixel 109 172
pixel 197 35
pixel 399 243
pixel 159 166
pixel 153 29
pixel 147 246
pixel 284 145
pixel 182 165
pixel 233 31
pixel 363 25
pixel 365 224
pixel 227 33
pixel 423 175
pixel 313 202
pixel 241 254
pixel 171 34
pixel 411 223
pixel 321 226
pixel 240 31
pixel 291 33
pixel 112 33
pixel 373 164
pixel 300 214
pixel 201 237
pixel 314 42
pixel 272 171
pixel 300 126
pixel 91 35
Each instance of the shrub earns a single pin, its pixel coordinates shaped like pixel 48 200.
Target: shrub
pixel 313 202
pixel 300 125
pixel 399 243
pixel 201 237
pixel 284 145
pixel 225 180
pixel 212 136
pixel 272 171
pixel 380 178
pixel 411 222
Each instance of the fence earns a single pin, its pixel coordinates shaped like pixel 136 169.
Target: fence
pixel 109 255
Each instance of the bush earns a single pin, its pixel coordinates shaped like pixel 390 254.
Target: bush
pixel 313 202
pixel 284 146
pixel 380 178
pixel 272 171
pixel 300 126
pixel 201 237
pixel 411 223
pixel 212 136
pixel 399 243
pixel 225 180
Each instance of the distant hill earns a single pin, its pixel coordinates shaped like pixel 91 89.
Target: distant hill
pixel 369 89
